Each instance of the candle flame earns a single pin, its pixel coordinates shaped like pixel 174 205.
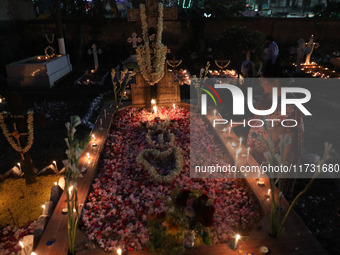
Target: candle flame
pixel 269 192
pixel 21 244
pixel 119 251
pixel 33 253
pixel 153 101
pixel 237 237
pixel 93 136
pixel 88 155
pixel 55 183
pixel 54 162
pixel 19 164
pixel 43 206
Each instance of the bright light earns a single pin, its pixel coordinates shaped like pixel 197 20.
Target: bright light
pixel 93 136
pixel 155 109
pixel 269 192
pixel 55 183
pixel 54 162
pixel 153 101
pixel 119 251
pixel 237 237
pixel 19 164
pixel 70 189
pixel 88 155
pixel 21 244
pixel 33 253
pixel 174 106
pixel 43 207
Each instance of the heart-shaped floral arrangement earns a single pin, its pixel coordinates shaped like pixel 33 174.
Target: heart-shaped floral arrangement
pixel 164 161
pixel 162 166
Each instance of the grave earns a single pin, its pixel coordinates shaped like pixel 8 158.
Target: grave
pixel 37 72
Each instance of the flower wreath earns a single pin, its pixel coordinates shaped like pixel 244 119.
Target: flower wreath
pixel 161 155
pixel 47 53
pixel 16 134
pixel 153 71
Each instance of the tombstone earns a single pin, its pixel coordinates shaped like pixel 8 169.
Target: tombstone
pixel 134 40
pixel 95 53
pixel 168 91
pixel 140 91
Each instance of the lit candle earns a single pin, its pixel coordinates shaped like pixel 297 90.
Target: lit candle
pixel 237 238
pixel 153 101
pixel 70 189
pixel 268 194
pixel 43 207
pixel 93 137
pixel 88 155
pixel 240 142
pixel 229 130
pixel 87 81
pixel 33 253
pixel 21 244
pixel 174 106
pixel 237 152
pixel 19 165
pixel 0 100
pixel 55 164
pixel 248 149
pixel 55 183
pixel 93 71
pixel 119 251
pixel 155 109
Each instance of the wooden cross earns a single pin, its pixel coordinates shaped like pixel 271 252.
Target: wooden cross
pixel 95 53
pixel 222 64
pixel 152 13
pixel 174 62
pixel 134 40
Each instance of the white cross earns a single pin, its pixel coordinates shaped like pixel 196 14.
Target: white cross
pixel 134 40
pixel 95 53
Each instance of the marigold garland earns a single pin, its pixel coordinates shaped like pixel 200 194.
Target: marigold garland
pixel 17 135
pixel 153 71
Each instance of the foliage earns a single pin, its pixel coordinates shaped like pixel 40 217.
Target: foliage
pixel 198 82
pixel 332 10
pixel 236 41
pixel 277 159
pixel 74 150
pixel 120 81
pixel 189 210
pixel 224 8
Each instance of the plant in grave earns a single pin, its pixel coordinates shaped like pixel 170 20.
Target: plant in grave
pixel 276 159
pixel 198 83
pixel 74 150
pixel 185 223
pixel 120 81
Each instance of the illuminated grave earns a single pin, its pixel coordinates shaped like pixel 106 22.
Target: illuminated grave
pixel 38 71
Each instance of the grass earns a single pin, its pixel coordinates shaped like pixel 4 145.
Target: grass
pixel 20 204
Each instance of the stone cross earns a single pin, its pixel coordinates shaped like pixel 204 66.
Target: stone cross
pixel 151 7
pixel 134 40
pixel 311 45
pixel 95 53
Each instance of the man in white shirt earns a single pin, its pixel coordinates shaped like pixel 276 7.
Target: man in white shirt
pixel 273 50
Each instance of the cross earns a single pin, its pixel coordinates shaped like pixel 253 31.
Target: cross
pixel 311 45
pixel 95 53
pixel 222 64
pixel 174 62
pixel 152 13
pixel 134 40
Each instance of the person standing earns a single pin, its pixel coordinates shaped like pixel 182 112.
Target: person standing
pixel 272 54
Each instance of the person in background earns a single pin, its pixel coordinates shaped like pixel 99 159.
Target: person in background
pixel 271 54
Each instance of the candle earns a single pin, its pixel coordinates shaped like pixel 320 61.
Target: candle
pixel 174 106
pixel 260 183
pixel 119 251
pixel 70 189
pixel 93 71
pixel 153 101
pixel 237 152
pixel 55 164
pixel 88 155
pixel 155 109
pixel 21 244
pixel 0 100
pixel 93 137
pixel 55 183
pixel 248 149
pixel 33 253
pixel 43 206
pixel 19 165
pixel 269 192
pixel 237 238
pixel 229 130
pixel 240 142
pixel 214 113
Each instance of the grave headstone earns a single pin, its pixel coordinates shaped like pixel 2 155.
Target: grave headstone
pixel 95 53
pixel 140 91
pixel 134 40
pixel 168 91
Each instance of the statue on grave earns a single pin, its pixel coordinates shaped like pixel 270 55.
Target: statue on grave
pixel 309 48
pixel 151 56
